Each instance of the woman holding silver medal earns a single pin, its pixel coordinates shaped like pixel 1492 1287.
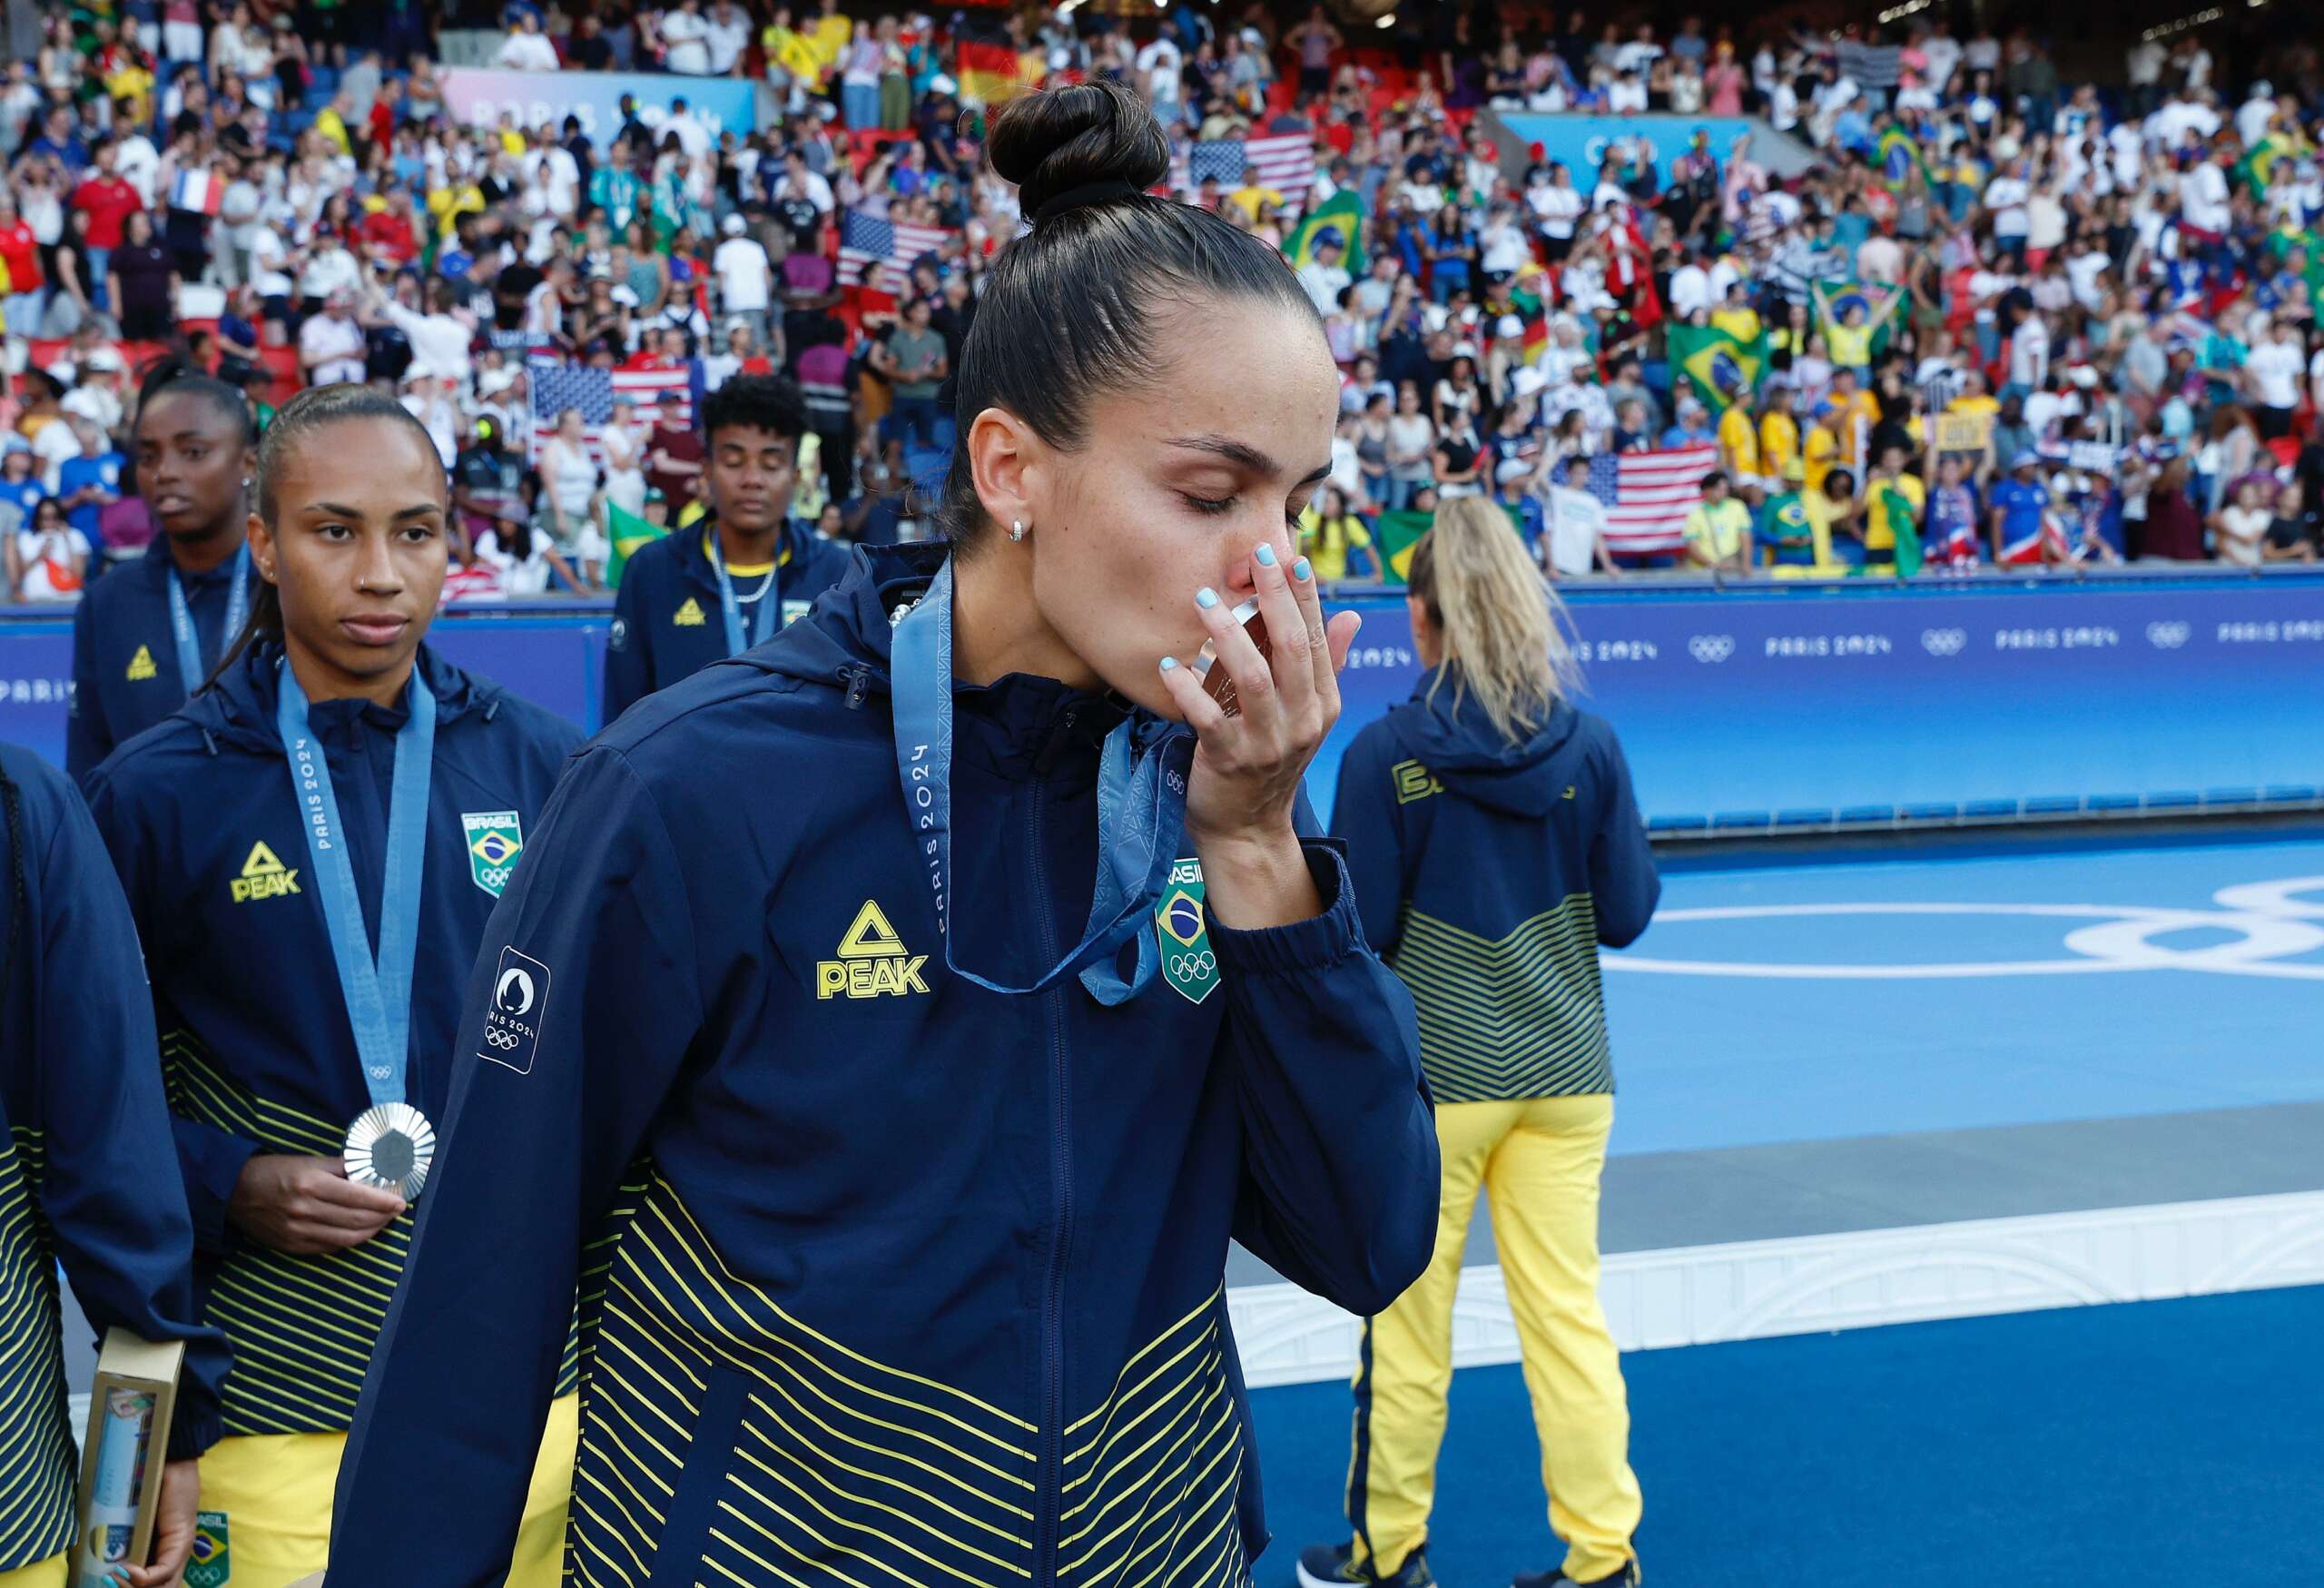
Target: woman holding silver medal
pixel 896 1155
pixel 310 848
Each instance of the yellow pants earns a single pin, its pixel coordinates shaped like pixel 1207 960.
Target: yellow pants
pixel 275 1491
pixel 1539 1160
pixel 53 1572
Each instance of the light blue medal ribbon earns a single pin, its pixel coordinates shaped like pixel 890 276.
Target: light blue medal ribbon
pixel 392 1140
pixel 1141 810
pixel 190 667
pixel 763 621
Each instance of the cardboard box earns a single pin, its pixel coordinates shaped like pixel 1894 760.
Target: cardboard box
pixel 131 1399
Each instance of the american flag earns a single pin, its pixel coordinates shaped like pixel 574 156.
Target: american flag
pixel 659 394
pixel 1195 164
pixel 1648 496
pixel 883 250
pixel 1285 163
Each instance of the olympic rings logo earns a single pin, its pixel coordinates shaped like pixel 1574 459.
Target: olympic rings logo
pixel 1943 642
pixel 500 1039
pixel 1711 647
pixel 2273 924
pixel 1193 967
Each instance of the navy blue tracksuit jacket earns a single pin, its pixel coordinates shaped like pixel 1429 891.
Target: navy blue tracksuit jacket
pixel 125 674
pixel 889 1278
pixel 1488 873
pixel 667 620
pixel 205 829
pixel 86 1173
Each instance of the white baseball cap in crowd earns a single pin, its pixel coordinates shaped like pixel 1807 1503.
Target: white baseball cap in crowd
pixel 731 225
pixel 1528 380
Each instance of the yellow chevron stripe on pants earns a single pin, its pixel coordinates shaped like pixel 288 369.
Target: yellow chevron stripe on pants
pixel 1538 1160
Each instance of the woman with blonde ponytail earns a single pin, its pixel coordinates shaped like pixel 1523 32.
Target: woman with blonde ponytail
pixel 1495 844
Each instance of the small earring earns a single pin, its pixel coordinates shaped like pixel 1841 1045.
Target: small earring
pixel 1016 528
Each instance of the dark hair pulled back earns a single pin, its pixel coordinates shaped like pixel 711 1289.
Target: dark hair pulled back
pixel 1067 312
pixel 176 377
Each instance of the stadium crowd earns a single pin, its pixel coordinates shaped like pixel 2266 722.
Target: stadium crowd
pixel 1998 316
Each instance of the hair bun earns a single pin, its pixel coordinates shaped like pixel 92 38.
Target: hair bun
pixel 1056 140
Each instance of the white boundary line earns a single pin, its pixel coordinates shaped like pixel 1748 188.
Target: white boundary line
pixel 1691 1295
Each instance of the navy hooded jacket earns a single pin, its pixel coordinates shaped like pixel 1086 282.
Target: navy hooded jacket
pixel 86 1174
pixel 668 623
pixel 898 1279
pixel 1488 874
pixel 125 673
pixel 205 829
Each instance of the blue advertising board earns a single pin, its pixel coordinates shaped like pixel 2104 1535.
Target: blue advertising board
pixel 1747 711
pixel 478 95
pixel 1742 710
pixel 1581 141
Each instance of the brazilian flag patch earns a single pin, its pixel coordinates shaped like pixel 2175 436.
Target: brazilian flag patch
pixel 209 1566
pixel 1182 928
pixel 494 839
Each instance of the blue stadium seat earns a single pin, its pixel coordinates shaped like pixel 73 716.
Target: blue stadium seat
pixel 1678 825
pixel 1940 810
pixel 1810 816
pixel 2173 800
pixel 2054 805
pixel 2115 802
pixel 2231 796
pixel 1989 810
pixel 1735 821
pixel 2290 793
pixel 1860 815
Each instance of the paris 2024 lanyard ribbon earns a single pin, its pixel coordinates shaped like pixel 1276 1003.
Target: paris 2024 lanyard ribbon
pixel 238 605
pixel 1141 810
pixel 391 1144
pixel 731 608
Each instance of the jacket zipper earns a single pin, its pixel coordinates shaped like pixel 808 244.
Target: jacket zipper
pixel 1050 1494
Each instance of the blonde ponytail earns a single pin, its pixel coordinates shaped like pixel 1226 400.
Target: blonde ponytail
pixel 1504 629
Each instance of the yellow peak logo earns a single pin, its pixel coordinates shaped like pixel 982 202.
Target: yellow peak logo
pixel 689 614
pixel 1414 781
pixel 871 961
pixel 141 666
pixel 263 876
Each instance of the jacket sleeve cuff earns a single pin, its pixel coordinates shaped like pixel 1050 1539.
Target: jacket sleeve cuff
pixel 213 1161
pixel 1312 944
pixel 192 1431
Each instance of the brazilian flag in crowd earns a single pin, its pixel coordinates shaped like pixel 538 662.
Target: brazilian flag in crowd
pixel 1392 539
pixel 1343 214
pixel 1898 156
pixel 1723 368
pixel 1906 529
pixel 627 532
pixel 1883 315
pixel 2276 151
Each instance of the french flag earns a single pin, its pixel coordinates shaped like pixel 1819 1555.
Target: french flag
pixel 198 192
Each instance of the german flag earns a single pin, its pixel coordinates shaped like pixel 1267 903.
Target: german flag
pixel 989 69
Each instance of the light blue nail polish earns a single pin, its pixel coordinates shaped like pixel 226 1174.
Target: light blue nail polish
pixel 1206 598
pixel 1265 554
pixel 1168 663
pixel 1300 570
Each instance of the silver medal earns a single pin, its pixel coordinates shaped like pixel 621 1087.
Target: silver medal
pixel 391 1146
